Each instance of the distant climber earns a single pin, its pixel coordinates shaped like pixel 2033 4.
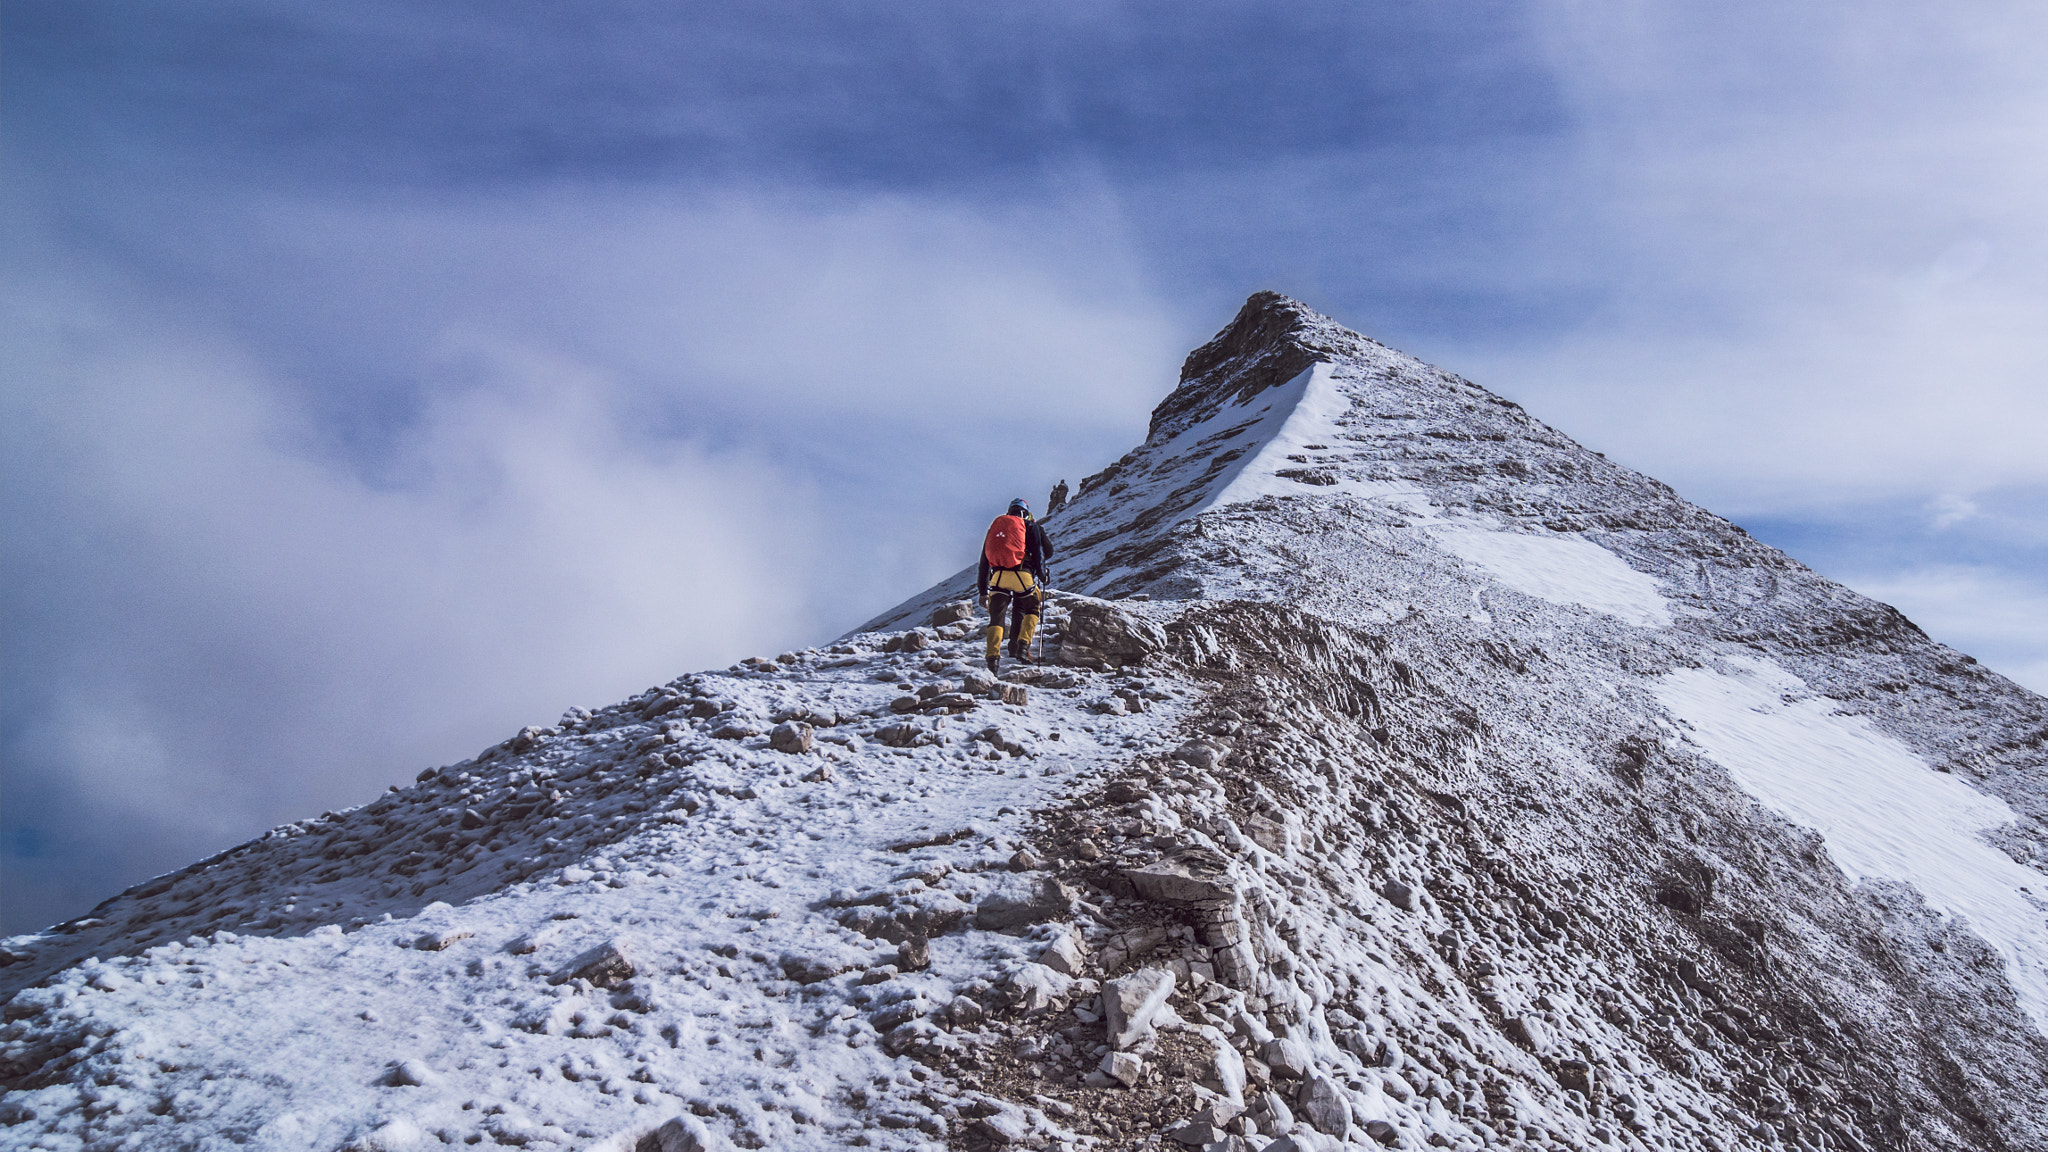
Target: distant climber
pixel 1058 499
pixel 1012 580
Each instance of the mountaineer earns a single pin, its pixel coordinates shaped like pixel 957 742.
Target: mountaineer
pixel 1012 580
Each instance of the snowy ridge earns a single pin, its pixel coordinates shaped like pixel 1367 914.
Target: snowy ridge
pixel 1406 775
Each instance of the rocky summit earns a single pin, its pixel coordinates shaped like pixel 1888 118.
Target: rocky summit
pixel 1399 773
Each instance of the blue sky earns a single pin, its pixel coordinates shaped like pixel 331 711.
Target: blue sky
pixel 381 377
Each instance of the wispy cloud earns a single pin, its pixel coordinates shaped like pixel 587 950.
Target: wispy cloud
pixel 617 439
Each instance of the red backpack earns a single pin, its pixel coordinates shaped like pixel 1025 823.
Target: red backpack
pixel 1004 546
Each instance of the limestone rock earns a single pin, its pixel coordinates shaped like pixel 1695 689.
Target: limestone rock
pixel 791 737
pixel 1124 1067
pixel 439 941
pixel 606 966
pixel 1066 954
pixel 1287 1057
pixel 1133 1003
pixel 1399 895
pixel 1048 899
pixel 683 1134
pixel 1191 877
pixel 1038 988
pixel 1322 1104
pixel 952 613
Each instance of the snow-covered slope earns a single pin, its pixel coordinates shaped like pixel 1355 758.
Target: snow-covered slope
pixel 1408 775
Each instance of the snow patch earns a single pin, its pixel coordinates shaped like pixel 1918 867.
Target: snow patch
pixel 1560 569
pixel 1884 813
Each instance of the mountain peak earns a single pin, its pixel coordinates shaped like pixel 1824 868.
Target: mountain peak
pixel 1272 339
pixel 1398 773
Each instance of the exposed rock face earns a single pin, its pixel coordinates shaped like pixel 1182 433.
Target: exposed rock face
pixel 1451 787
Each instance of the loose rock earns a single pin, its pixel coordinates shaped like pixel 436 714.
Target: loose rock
pixel 1133 1003
pixel 1322 1104
pixel 606 966
pixel 1048 899
pixel 792 737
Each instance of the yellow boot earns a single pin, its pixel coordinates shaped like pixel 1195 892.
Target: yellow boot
pixel 995 646
pixel 1024 636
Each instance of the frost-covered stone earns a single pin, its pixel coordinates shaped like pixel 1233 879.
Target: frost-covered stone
pixel 1035 903
pixel 607 965
pixel 1193 877
pixel 1133 1004
pixel 1287 1057
pixel 1066 954
pixel 791 737
pixel 443 939
pixel 410 1074
pixel 1038 987
pixel 685 1134
pixel 1321 1103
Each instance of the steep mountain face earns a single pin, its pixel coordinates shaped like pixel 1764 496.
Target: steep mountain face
pixel 1404 774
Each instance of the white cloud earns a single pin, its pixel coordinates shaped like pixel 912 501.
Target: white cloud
pixel 1825 229
pixel 627 459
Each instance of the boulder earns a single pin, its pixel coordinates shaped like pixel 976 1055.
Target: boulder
pixel 1047 899
pixel 1066 955
pixel 681 1134
pixel 1192 876
pixel 1124 1068
pixel 791 737
pixel 1399 895
pixel 1038 988
pixel 606 966
pixel 1287 1057
pixel 1113 634
pixel 952 613
pixel 1015 694
pixel 1322 1104
pixel 1529 1032
pixel 1225 1073
pixel 1134 1003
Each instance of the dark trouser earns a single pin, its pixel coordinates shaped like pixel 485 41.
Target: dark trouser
pixel 1022 609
